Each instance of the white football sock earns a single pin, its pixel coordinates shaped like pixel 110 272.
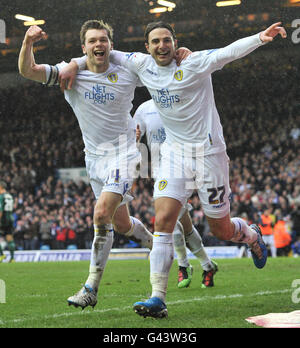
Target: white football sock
pixel 243 233
pixel 179 245
pixel 161 259
pixel 195 244
pixel 102 244
pixel 139 233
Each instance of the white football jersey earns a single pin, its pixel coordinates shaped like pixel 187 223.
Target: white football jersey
pixel 148 118
pixel 102 104
pixel 184 95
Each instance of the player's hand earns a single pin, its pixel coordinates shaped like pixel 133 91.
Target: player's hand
pixel 181 54
pixel 35 34
pixel 272 31
pixel 138 133
pixel 67 76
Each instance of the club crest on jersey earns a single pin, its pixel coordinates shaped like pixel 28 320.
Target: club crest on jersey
pixel 113 77
pixel 178 75
pixel 162 185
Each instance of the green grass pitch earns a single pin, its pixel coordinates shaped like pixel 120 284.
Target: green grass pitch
pixel 36 295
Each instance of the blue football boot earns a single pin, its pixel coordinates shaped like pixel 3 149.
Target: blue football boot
pixel 258 249
pixel 153 307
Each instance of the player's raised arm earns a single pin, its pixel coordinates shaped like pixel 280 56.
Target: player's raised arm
pixel 27 66
pixel 213 60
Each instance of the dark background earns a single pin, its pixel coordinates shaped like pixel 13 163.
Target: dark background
pixel 199 24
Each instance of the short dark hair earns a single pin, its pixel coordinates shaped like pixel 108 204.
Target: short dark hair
pixel 95 24
pixel 155 25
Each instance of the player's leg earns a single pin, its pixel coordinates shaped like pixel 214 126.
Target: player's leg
pixel 131 227
pixel 180 245
pixel 103 236
pixel 238 231
pixel 11 246
pixel 2 256
pixel 214 195
pixel 117 178
pixel 195 244
pixel 103 239
pixel 185 270
pixel 162 253
pixel 161 257
pixel 170 195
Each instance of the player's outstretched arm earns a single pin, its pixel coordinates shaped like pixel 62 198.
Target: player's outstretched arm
pixel 27 66
pixel 215 59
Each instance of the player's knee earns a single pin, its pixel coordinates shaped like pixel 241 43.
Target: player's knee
pixel 122 226
pixel 102 215
pixel 165 221
pixel 121 220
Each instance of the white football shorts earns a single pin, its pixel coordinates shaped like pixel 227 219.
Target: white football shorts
pixel 109 173
pixel 209 175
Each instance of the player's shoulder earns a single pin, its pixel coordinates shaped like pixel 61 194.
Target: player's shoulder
pixel 120 72
pixel 118 69
pixel 137 55
pixel 146 112
pixel 198 56
pixel 139 59
pixel 146 106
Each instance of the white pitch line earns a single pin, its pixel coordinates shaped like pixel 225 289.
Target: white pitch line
pixel 199 299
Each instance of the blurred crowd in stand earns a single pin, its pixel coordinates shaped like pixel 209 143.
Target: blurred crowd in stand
pixel 259 110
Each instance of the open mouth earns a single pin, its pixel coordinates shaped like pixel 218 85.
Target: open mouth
pixel 99 53
pixel 163 54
